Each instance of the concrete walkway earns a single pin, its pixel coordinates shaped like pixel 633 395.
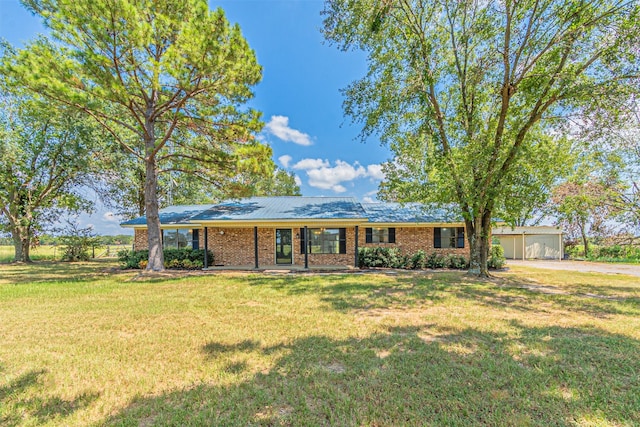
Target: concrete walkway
pixel 583 266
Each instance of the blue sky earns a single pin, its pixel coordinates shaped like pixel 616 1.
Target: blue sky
pixel 299 97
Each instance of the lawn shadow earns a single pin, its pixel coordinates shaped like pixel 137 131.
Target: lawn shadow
pixel 21 404
pixel 357 293
pixel 419 375
pixel 53 271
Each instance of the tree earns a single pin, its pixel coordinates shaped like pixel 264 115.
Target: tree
pixel 122 185
pixel 462 90
pixel 166 78
pixel 45 155
pixel 584 206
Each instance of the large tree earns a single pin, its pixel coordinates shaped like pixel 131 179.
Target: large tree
pixel 121 186
pixel 463 89
pixel 167 79
pixel 45 156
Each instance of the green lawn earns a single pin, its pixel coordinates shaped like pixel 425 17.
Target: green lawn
pixel 82 344
pixel 50 252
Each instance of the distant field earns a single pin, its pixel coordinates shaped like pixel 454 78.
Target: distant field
pixel 51 253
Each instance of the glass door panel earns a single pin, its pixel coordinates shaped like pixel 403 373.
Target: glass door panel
pixel 284 252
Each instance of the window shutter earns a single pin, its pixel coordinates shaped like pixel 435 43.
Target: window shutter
pixel 195 239
pixel 460 237
pixel 368 235
pixel 392 235
pixel 437 243
pixel 342 235
pixel 302 240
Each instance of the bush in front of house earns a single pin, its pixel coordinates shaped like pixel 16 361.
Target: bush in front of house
pixel 496 257
pixel 382 257
pixel 392 258
pixel 184 259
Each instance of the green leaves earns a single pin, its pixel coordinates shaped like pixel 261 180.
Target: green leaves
pixel 465 92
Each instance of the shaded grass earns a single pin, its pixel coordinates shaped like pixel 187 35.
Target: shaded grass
pixel 84 347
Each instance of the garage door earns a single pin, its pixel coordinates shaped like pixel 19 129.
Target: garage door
pixel 512 246
pixel 543 247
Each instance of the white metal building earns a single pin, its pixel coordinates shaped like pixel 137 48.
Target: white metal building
pixel 542 242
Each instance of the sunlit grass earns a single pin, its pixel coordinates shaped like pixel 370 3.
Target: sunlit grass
pixel 84 344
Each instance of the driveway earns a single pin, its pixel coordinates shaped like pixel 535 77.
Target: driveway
pixel 583 266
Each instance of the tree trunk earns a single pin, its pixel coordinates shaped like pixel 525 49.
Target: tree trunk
pixel 21 243
pixel 156 257
pixel 585 241
pixel 478 236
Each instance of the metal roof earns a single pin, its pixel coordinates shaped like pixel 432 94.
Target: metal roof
pixel 298 208
pixel 179 214
pixel 408 213
pixel 283 208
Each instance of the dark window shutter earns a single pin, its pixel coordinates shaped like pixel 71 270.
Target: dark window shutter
pixel 368 235
pixel 342 235
pixel 302 240
pixel 437 242
pixel 460 237
pixel 195 242
pixel 392 235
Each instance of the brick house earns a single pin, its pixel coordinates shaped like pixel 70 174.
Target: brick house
pixel 263 232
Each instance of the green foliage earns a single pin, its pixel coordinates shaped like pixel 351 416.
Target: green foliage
pixel 496 257
pixel 168 80
pixel 382 257
pixel 471 97
pixel 418 260
pixel 78 245
pixel 46 154
pixel 187 259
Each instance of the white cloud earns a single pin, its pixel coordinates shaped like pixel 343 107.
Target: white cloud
pixel 279 126
pixel 109 217
pixel 375 172
pixel 285 160
pixel 298 181
pixel 326 177
pixel 308 164
pixel 367 199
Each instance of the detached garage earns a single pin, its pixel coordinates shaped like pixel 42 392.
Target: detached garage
pixel 542 242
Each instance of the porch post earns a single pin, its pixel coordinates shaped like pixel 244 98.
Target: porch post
pixel 206 248
pixel 306 247
pixel 255 244
pixel 356 254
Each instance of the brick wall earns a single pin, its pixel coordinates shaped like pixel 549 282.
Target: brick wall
pixel 235 247
pixel 411 239
pixel 140 240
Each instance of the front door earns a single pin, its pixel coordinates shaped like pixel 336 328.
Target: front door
pixel 284 249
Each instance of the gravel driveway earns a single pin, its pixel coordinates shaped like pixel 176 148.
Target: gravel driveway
pixel 584 266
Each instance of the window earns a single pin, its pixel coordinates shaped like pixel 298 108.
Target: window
pixel 324 241
pixel 181 238
pixel 380 235
pixel 451 237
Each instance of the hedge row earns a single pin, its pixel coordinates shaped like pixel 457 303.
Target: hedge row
pixel 394 258
pixel 188 259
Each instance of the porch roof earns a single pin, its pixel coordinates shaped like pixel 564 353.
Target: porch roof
pixel 409 213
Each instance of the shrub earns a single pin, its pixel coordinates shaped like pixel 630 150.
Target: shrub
pixel 382 257
pixel 173 258
pixel 435 260
pixel 419 260
pixel 496 257
pixel 457 262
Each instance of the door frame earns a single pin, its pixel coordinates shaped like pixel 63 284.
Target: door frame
pixel 275 245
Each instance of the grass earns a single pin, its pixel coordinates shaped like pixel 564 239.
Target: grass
pixel 51 253
pixel 83 344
